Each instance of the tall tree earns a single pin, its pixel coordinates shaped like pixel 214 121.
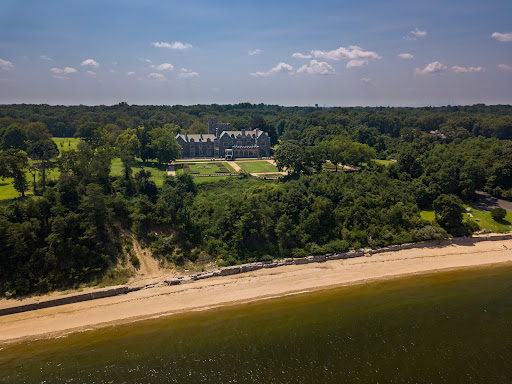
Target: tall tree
pixel 14 137
pixel 43 150
pixel 13 163
pixel 297 158
pixel 448 210
pixel 164 145
pixel 90 132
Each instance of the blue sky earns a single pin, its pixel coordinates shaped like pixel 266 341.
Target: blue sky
pixel 337 53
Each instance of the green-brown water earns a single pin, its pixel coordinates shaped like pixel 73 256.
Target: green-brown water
pixel 450 327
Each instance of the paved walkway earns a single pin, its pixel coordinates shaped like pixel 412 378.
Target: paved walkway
pixel 234 165
pixel 486 202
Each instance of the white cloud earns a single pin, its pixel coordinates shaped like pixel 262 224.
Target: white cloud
pixel 317 68
pixel 174 45
pixel 187 74
pixel 44 57
pixel 90 63
pixel 91 73
pixel 281 67
pixel 413 35
pixel 356 63
pixel 164 67
pixel 256 51
pixel 299 55
pixel 64 71
pixel 406 56
pixel 435 67
pixel 366 80
pixel 505 67
pixel 130 73
pixel 158 76
pixel 458 69
pixel 419 33
pixel 356 56
pixel 6 65
pixel 504 37
pixel 59 73
pixel 148 61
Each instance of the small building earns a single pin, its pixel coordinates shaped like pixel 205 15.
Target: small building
pixel 220 141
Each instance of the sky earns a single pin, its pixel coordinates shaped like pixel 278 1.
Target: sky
pixel 332 53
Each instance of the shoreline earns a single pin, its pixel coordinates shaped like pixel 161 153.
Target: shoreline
pixel 257 285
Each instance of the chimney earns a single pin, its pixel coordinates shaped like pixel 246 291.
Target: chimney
pixel 217 132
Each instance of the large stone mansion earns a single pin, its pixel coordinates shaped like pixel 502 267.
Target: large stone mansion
pixel 221 142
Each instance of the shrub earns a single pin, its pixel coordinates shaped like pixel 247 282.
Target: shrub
pixel 498 214
pixel 299 252
pixel 134 260
pixel 336 246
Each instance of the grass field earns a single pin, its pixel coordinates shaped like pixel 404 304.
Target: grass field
pixel 204 168
pixel 258 166
pixel 66 143
pixel 157 171
pixel 483 218
pixel 485 221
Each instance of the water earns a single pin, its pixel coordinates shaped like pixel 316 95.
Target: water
pixel 451 327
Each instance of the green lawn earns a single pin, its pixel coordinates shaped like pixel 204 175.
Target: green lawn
pixel 157 171
pixel 66 143
pixel 204 168
pixel 228 167
pixel 485 221
pixel 7 191
pixel 258 166
pixel 483 218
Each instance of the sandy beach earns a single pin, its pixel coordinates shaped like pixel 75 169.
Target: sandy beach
pixel 236 289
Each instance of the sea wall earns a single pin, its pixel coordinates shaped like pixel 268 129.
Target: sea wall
pixel 68 299
pixel 233 270
pixel 237 269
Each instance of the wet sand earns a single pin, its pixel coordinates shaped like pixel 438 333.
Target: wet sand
pixel 256 285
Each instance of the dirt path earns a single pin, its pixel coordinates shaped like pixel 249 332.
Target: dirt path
pixel 149 268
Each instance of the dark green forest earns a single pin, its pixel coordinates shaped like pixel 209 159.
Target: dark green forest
pixel 73 229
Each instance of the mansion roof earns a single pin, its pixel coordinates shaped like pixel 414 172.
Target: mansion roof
pixel 204 137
